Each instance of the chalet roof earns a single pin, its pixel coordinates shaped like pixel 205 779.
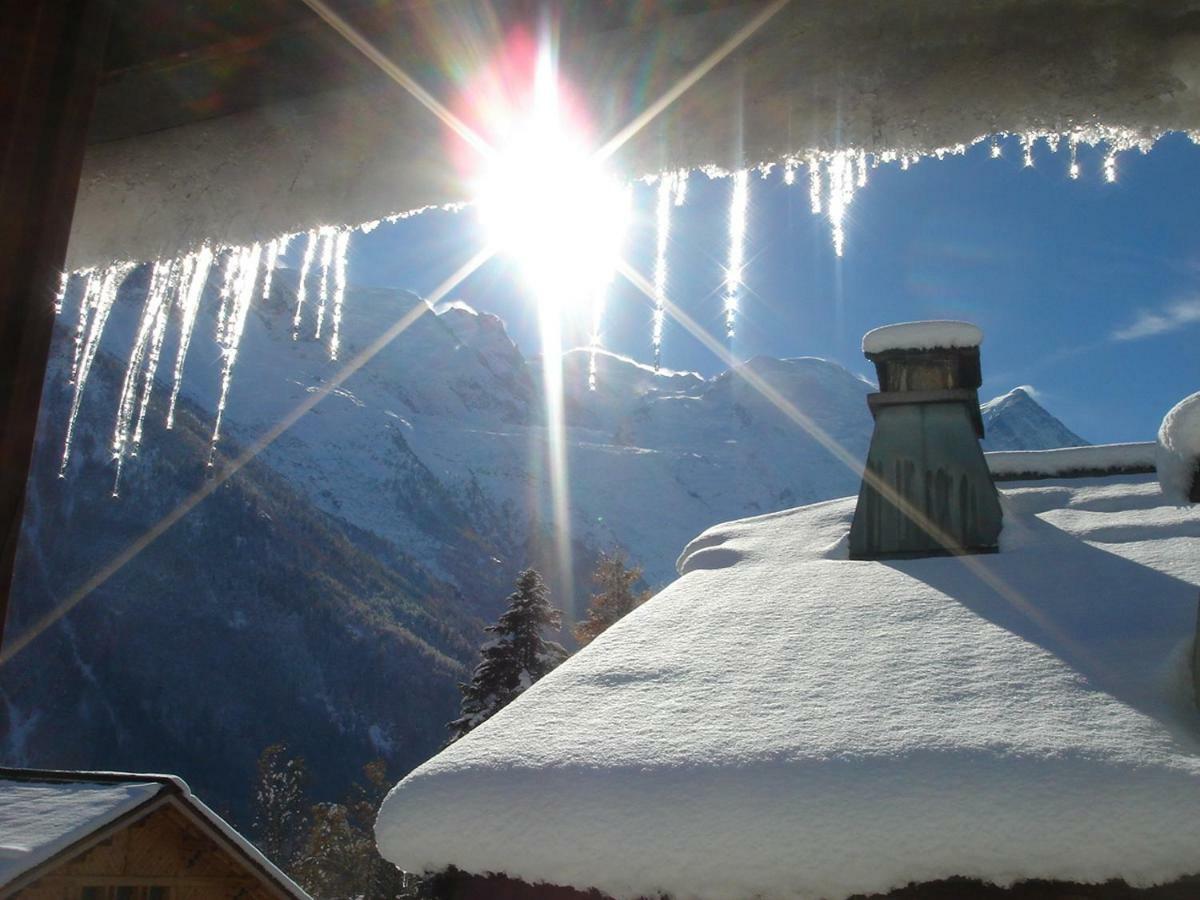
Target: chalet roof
pixel 48 816
pixel 783 721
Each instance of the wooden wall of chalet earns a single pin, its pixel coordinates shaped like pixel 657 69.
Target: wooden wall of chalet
pixel 163 849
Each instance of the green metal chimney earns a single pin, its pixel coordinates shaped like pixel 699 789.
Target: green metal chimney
pixel 927 490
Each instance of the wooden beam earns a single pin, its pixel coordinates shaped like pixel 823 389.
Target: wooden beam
pixel 51 53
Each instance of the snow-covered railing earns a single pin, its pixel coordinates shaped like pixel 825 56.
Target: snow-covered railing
pixel 1073 462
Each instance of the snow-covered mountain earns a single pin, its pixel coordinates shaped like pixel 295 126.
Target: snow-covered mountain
pixel 1015 421
pixel 344 577
pixel 439 445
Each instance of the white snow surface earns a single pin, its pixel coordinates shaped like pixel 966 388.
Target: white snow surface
pixel 39 819
pixel 927 335
pixel 1096 459
pixel 784 722
pixel 1179 449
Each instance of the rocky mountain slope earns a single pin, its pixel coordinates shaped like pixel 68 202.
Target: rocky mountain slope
pixel 333 593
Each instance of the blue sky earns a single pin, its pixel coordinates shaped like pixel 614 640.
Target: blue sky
pixel 1088 291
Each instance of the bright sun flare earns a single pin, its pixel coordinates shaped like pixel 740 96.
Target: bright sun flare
pixel 548 204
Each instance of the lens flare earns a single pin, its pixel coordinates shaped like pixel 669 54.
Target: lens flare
pixel 548 204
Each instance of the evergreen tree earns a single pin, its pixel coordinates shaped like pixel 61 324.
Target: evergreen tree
pixel 615 596
pixel 517 656
pixel 281 806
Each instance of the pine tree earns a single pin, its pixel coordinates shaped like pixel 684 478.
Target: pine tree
pixel 517 656
pixel 615 596
pixel 281 805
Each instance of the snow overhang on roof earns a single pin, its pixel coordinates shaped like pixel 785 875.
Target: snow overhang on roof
pixel 283 126
pixel 785 722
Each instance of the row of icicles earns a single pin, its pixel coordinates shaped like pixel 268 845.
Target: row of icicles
pixel 178 284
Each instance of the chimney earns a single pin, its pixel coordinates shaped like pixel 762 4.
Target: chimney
pixel 927 490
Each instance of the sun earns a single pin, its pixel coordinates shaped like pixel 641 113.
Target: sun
pixel 549 204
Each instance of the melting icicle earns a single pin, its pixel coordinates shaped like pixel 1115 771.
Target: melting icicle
pixel 662 219
pixel 789 171
pixel 1027 149
pixel 737 236
pixel 1110 165
pixel 275 249
pixel 310 250
pixel 681 185
pixel 192 282
pixel 330 236
pixel 593 349
pixel 1073 169
pixel 99 304
pixel 143 363
pixel 226 293
pixel 64 279
pixel 341 245
pixel 87 303
pixel 814 184
pixel 841 192
pixel 245 273
pixel 861 163
pixel 995 151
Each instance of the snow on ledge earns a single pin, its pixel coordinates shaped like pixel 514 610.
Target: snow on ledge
pixel 1178 449
pixel 922 336
pixel 1072 462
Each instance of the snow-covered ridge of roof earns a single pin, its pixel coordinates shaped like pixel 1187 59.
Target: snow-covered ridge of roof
pixel 1072 462
pixel 784 722
pixel 39 819
pixel 1179 449
pixel 931 335
pixel 45 813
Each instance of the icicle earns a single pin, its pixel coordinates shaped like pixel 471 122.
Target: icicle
pixel 1027 149
pixel 143 363
pixel 814 184
pixel 275 249
pixel 341 245
pixel 904 163
pixel 64 279
pixel 87 303
pixel 226 293
pixel 841 192
pixel 597 318
pixel 681 185
pixel 310 250
pixel 789 170
pixel 103 298
pixel 1110 164
pixel 330 236
pixel 245 275
pixel 192 282
pixel 996 150
pixel 1052 141
pixel 662 219
pixel 861 163
pixel 1073 169
pixel 737 235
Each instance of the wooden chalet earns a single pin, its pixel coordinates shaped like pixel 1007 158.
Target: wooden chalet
pixel 118 836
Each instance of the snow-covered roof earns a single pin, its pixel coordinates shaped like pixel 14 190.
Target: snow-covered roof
pixel 784 722
pixel 39 819
pixel 43 814
pixel 930 335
